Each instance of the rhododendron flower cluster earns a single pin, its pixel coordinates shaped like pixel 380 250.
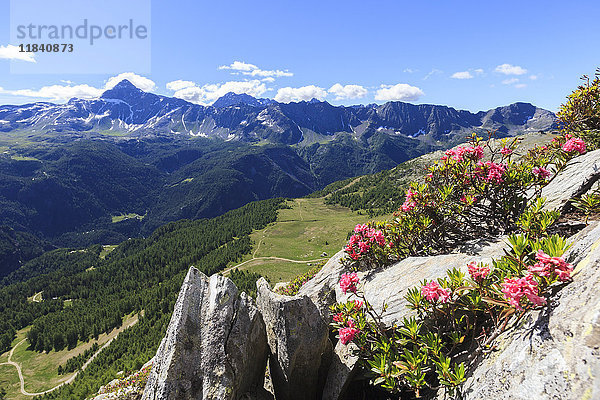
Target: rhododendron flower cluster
pixel 362 240
pixel 515 289
pixel 506 151
pixel 409 203
pixel 478 272
pixel 457 154
pixel 490 171
pixel 551 266
pixel 348 333
pixel 434 292
pixel 574 144
pixel 348 282
pixel 541 172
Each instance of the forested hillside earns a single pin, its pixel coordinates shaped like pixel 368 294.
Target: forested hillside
pixel 139 274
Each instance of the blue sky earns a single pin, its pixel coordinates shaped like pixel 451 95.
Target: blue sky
pixel 471 55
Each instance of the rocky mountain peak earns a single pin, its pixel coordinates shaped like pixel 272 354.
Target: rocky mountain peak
pixel 122 91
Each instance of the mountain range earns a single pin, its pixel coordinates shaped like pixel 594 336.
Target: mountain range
pixel 124 164
pixel 127 111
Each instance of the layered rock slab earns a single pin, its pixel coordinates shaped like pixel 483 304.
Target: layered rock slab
pixel 215 346
pixel 298 338
pixel 554 353
pixel 575 179
pixel 388 285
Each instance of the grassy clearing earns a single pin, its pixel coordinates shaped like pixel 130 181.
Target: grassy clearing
pixel 36 297
pixel 24 158
pixel 9 380
pixel 276 270
pixel 187 180
pixel 40 370
pixel 106 249
pixel 123 217
pixel 304 232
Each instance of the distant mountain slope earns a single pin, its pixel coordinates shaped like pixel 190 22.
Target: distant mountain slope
pixel 94 191
pixel 126 110
pixel 17 248
pixel 119 166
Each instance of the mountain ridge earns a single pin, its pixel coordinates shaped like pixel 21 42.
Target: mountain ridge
pixel 127 111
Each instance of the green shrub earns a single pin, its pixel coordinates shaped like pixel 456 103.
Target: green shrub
pixel 580 115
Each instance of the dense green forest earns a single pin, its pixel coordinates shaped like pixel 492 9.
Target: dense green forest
pixel 75 194
pixel 375 194
pixel 92 191
pixel 139 274
pixel 18 247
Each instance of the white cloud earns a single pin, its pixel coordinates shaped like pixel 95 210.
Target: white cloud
pixel 60 92
pixel 207 94
pixel 10 52
pixel 510 81
pixel 410 70
pixel 141 82
pixel 508 69
pixel 289 94
pixel 179 84
pixel 479 71
pixel 253 70
pixel 269 79
pixel 462 75
pixel 69 90
pixel 399 92
pixel 239 66
pixel 432 72
pixel 533 77
pixel 347 91
pixel 520 85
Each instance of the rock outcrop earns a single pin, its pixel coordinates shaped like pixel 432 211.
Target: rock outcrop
pixel 215 346
pixel 576 179
pixel 218 342
pixel 388 285
pixel 298 338
pixel 554 353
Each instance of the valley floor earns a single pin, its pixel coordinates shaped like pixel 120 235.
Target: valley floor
pixel 308 232
pixel 26 373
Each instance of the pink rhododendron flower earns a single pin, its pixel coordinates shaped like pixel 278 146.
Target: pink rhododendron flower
pixel 459 153
pixel 348 282
pixel 338 317
pixel 494 171
pixel 359 228
pixel 347 334
pixel 477 152
pixel 478 273
pixel 547 266
pixel 362 240
pixel 506 151
pixel 455 154
pixel 363 247
pixel 574 144
pixel 434 292
pixel 541 172
pixel 515 288
pixel 409 203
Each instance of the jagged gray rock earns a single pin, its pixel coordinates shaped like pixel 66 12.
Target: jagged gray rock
pixel 388 285
pixel 298 337
pixel 391 284
pixel 553 353
pixel 577 178
pixel 215 346
pixel 343 366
